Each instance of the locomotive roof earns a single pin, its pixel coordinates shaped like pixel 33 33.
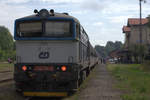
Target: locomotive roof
pixel 56 15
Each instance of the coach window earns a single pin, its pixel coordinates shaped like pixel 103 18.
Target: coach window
pixel 80 35
pixel 81 29
pixel 77 30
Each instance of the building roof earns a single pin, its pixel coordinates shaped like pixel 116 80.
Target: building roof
pixel 136 21
pixel 126 29
pixel 114 53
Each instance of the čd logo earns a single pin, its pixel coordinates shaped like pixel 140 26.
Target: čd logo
pixel 44 55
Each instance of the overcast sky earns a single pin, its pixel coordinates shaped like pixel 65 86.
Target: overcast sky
pixel 102 19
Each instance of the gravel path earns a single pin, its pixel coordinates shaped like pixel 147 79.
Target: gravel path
pixel 100 86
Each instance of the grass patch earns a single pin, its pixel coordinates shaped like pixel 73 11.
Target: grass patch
pixel 133 80
pixel 4 66
pixel 146 65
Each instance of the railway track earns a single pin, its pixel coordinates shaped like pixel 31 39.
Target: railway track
pixel 6 76
pixel 6 80
pixel 5 71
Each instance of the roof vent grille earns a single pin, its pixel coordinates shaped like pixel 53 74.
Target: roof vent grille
pixel 65 13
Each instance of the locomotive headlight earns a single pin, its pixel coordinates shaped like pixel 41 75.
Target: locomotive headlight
pixel 43 13
pixel 36 11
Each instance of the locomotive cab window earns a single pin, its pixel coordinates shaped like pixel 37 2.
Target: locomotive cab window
pixel 77 30
pixel 29 29
pixel 50 29
pixel 58 29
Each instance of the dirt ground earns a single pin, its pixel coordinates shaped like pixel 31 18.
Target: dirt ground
pixel 100 86
pixel 7 92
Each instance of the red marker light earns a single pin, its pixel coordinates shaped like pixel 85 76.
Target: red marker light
pixel 63 68
pixel 24 68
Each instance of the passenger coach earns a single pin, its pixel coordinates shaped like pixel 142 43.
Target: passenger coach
pixel 53 54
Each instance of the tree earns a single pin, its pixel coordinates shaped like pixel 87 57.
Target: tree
pixel 101 50
pixel 109 47
pixel 148 21
pixel 6 44
pixel 6 39
pixel 118 45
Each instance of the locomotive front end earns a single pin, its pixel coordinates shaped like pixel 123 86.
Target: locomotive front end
pixel 46 54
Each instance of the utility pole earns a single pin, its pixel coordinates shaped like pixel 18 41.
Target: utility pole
pixel 140 26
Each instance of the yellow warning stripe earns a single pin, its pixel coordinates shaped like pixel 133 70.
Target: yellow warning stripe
pixel 46 94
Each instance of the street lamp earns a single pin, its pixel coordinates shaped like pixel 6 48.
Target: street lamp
pixel 140 28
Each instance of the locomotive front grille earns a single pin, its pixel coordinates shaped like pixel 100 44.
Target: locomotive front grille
pixel 37 78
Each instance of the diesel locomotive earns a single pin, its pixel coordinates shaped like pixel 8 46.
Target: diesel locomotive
pixel 53 54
